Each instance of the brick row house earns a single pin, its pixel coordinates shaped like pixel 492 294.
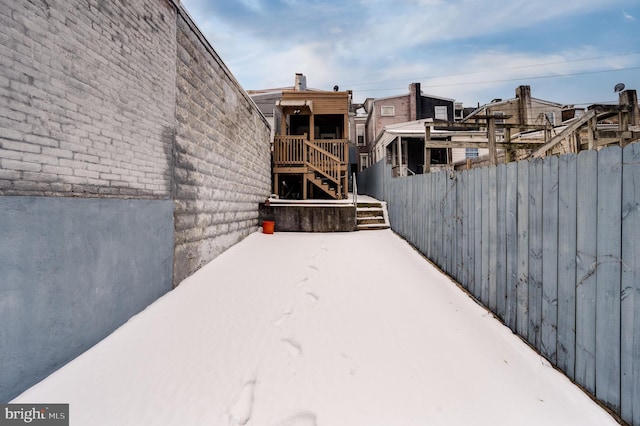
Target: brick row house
pixel 375 115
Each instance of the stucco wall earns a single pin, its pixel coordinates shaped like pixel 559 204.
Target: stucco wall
pixel 71 271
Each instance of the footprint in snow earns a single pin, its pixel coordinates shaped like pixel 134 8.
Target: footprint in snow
pixel 240 412
pixel 313 298
pixel 293 347
pixel 303 418
pixel 352 368
pixel 314 267
pixel 302 281
pixel 282 318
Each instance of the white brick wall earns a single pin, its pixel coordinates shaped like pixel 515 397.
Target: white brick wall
pixel 222 162
pixel 87 95
pixel 127 99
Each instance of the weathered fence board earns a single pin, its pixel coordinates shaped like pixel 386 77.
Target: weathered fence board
pixel 431 217
pixel 471 251
pixel 522 223
pixel 586 249
pixel 484 239
pixel 630 305
pixel 535 253
pixel 608 260
pixel 492 238
pixel 511 235
pixel 567 184
pixel 451 223
pixel 460 264
pixel 462 226
pixel 439 190
pixel 477 275
pixel 550 259
pixel 421 199
pixel 501 242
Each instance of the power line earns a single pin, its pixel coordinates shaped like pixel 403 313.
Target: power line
pixel 509 79
pixel 494 69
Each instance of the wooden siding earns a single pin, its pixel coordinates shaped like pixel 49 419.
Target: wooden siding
pixel 323 102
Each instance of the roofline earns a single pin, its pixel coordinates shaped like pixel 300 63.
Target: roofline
pixel 422 94
pixel 506 101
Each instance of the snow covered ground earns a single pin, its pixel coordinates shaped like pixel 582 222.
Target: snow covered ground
pixel 333 329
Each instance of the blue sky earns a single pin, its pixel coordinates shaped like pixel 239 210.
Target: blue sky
pixel 571 51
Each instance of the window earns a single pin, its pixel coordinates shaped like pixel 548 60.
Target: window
pixel 441 113
pixel 499 130
pixel 360 134
pixel 388 110
pixel 364 161
pixel 458 111
pixel 471 153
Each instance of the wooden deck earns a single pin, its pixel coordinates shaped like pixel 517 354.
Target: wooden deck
pixel 321 162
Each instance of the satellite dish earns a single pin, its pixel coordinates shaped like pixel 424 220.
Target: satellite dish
pixel 335 88
pixel 619 87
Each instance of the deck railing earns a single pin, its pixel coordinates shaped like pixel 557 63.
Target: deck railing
pixel 323 162
pixel 327 157
pixel 289 150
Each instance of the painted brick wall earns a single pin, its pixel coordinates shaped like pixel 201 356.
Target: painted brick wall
pixel 87 94
pixel 100 101
pixel 127 99
pixel 222 158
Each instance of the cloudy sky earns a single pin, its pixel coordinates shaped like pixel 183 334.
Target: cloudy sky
pixel 570 51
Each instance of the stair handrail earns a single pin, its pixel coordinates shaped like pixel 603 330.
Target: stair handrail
pixel 355 198
pixel 355 190
pixel 327 163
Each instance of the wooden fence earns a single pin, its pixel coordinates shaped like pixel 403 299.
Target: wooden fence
pixel 551 246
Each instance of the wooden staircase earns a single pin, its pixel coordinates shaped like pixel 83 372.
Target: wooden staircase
pixel 372 216
pixel 325 185
pixel 326 169
pixel 323 163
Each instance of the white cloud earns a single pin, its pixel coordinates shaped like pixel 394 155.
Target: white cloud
pixel 628 17
pixel 377 48
pixel 253 5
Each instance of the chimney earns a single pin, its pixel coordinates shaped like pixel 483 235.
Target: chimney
pixel 630 99
pixel 415 112
pixel 301 82
pixel 525 113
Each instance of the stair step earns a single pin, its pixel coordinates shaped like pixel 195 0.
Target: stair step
pixel 372 227
pixel 376 221
pixel 371 216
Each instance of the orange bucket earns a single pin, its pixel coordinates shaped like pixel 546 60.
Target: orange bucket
pixel 268 226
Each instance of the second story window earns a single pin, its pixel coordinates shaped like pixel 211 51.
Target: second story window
pixel 388 110
pixel 360 134
pixel 441 113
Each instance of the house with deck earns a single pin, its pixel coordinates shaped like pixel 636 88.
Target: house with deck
pixel 311 143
